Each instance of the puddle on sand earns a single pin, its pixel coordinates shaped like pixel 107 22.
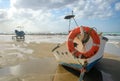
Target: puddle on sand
pixel 33 70
pixel 11 54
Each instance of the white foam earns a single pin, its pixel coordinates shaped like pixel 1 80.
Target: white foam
pixel 113 37
pixel 112 46
pixel 45 38
pixel 116 43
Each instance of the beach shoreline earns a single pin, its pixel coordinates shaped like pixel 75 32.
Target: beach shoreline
pixel 32 51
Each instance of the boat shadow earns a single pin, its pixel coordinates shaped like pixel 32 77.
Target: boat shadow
pixel 93 75
pixel 105 70
pixel 110 68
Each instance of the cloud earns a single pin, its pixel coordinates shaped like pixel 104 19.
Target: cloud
pixel 41 4
pixel 83 8
pixel 94 8
pixel 117 6
pixel 47 15
pixel 3 14
pixel 37 19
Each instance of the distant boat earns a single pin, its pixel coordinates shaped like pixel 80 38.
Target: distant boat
pixel 20 35
pixel 83 48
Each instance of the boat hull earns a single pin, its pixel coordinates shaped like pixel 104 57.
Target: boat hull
pixel 64 57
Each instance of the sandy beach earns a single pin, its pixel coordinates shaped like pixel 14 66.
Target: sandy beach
pixel 21 61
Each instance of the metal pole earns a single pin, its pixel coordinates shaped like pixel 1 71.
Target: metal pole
pixel 69 25
pixel 75 21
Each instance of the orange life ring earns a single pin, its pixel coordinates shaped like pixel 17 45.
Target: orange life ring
pixel 93 50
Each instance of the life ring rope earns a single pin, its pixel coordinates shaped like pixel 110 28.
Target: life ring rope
pixel 96 42
pixel 70 39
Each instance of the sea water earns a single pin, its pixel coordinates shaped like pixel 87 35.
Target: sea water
pixel 112 46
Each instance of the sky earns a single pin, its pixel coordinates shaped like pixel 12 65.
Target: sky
pixel 47 16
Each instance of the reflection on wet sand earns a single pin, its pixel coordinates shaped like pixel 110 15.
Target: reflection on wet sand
pixel 47 69
pixel 12 54
pixel 42 66
pixel 32 70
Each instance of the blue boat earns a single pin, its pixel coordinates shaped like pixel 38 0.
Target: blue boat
pixel 20 35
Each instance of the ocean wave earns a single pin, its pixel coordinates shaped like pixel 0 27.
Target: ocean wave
pixel 116 43
pixel 111 33
pixel 112 47
pixel 113 38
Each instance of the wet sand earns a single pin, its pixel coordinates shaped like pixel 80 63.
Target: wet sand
pixel 39 64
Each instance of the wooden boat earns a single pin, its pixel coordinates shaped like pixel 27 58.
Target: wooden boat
pixel 83 48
